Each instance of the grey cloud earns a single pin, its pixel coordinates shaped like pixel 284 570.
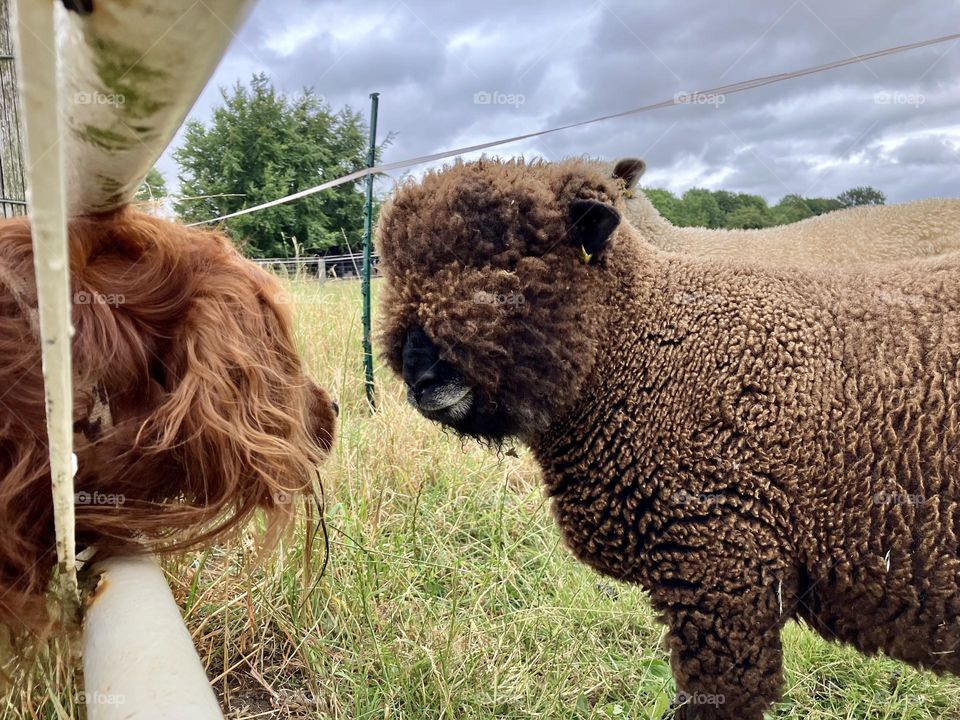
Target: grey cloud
pixel 570 61
pixel 928 151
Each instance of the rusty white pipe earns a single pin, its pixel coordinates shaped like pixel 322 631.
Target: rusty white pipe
pixel 131 70
pixel 139 662
pixel 37 69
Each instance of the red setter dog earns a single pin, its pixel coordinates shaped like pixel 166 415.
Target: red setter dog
pixel 191 405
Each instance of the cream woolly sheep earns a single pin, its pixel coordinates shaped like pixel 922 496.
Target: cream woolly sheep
pixel 860 234
pixel 749 443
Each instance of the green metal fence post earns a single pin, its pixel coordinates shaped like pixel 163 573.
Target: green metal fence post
pixel 367 248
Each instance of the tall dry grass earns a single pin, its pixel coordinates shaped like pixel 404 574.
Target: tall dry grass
pixel 448 593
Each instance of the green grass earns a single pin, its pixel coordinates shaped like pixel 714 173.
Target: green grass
pixel 448 594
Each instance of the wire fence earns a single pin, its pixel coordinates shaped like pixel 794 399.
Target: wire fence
pixel 322 267
pixel 13 200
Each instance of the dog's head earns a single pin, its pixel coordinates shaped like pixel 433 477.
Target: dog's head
pixel 192 406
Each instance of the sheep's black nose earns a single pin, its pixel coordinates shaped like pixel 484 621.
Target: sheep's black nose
pixel 83 7
pixel 421 360
pixel 428 380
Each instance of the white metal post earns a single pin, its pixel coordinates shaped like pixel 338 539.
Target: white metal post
pixel 103 94
pixel 36 43
pixel 139 662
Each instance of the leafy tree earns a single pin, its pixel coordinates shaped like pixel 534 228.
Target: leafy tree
pixel 792 208
pixel 153 187
pixel 742 210
pixel 725 209
pixel 749 217
pixel 665 202
pixel 727 201
pixel 261 145
pixel 861 196
pixel 819 206
pixel 752 201
pixel 700 208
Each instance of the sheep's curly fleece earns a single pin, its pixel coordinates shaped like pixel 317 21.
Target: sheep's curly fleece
pixel 868 233
pixel 750 444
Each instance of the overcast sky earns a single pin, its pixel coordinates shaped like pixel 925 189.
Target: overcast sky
pixel 452 74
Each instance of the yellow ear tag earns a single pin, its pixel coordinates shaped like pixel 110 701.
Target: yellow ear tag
pixel 628 194
pixel 587 257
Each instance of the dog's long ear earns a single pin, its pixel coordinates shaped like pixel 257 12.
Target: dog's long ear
pixel 240 411
pixel 592 224
pixel 629 170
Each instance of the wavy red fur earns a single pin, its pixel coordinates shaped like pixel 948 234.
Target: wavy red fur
pixel 212 413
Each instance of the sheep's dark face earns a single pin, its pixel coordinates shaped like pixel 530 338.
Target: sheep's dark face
pixel 492 305
pixel 442 393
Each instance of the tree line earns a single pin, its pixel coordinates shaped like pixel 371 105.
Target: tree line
pixel 261 144
pixel 698 207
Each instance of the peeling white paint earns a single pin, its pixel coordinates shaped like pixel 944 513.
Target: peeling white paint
pixel 46 196
pixel 138 658
pixel 131 72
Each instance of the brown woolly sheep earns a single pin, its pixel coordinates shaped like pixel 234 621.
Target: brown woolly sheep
pixel 750 444
pixel 191 405
pixel 870 233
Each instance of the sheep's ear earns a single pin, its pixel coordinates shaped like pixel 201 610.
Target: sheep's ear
pixel 630 170
pixel 593 223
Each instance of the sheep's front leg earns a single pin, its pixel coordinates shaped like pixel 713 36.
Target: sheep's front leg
pixel 725 622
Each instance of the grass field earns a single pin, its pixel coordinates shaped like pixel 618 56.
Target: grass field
pixel 448 594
